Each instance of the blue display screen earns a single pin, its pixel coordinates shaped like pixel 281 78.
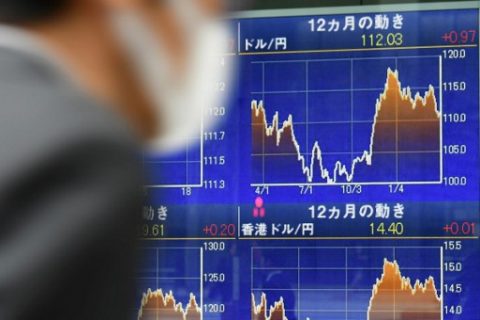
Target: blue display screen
pixel 340 182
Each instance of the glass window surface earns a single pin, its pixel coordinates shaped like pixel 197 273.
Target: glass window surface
pixel 341 181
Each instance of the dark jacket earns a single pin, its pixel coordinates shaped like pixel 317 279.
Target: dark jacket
pixel 70 196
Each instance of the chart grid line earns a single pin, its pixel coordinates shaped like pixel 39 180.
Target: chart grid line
pixel 348 252
pixel 332 176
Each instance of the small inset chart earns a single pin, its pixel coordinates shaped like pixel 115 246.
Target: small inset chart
pixel 181 169
pixel 170 285
pixel 356 120
pixel 340 283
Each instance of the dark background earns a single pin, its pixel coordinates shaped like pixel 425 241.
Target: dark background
pixel 274 4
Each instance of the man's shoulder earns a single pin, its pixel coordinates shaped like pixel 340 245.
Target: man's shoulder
pixel 41 111
pixel 34 95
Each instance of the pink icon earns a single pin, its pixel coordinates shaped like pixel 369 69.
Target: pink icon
pixel 259 210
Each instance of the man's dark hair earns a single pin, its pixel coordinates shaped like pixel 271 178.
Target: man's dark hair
pixel 26 11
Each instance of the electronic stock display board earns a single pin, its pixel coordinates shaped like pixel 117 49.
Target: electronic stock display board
pixel 340 182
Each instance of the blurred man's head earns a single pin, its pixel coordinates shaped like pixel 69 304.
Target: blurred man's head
pixel 26 11
pixel 134 55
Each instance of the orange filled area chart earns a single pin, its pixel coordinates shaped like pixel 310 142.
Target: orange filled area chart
pixel 276 312
pixel 395 297
pixel 156 305
pixel 355 283
pixel 404 141
pixel 170 284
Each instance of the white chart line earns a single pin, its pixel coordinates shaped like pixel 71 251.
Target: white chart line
pixel 346 290
pixel 201 283
pixel 307 90
pixel 336 184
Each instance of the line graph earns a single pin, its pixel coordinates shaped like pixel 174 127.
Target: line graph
pixel 182 169
pixel 170 284
pixel 355 283
pixel 156 305
pixel 341 121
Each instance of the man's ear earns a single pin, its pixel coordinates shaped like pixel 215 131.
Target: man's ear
pixel 133 4
pixel 117 4
pixel 212 8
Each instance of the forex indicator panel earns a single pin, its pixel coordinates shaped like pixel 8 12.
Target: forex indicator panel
pixel 340 182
